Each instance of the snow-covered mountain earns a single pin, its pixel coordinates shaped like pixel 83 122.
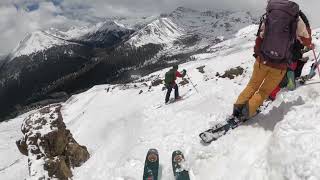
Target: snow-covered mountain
pixel 119 123
pixel 168 27
pixel 160 31
pixel 116 50
pixel 214 23
pixel 36 42
pixel 103 34
pixel 53 57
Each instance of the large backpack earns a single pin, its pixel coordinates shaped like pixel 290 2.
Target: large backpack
pixel 280 31
pixel 169 77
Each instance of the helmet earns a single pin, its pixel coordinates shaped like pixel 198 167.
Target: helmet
pixel 175 67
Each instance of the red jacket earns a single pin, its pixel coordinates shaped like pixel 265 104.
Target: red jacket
pixel 178 74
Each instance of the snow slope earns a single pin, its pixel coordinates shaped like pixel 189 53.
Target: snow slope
pixel 119 125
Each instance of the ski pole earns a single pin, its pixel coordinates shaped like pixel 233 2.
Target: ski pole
pixel 192 83
pixel 315 57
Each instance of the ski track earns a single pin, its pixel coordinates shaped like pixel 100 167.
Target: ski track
pixel 119 126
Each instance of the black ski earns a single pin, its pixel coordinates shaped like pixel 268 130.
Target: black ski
pixel 231 122
pixel 219 130
pixel 303 79
pixel 151 165
pixel 179 172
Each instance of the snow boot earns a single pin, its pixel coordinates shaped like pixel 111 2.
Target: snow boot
pixel 291 81
pixel 241 111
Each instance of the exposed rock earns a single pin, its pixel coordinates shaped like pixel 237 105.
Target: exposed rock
pixel 232 73
pixel 22 146
pixel 184 81
pixel 50 147
pixel 201 69
pixel 77 154
pixel 58 168
pixel 140 92
pixel 156 82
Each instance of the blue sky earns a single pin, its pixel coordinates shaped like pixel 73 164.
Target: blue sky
pixel 19 17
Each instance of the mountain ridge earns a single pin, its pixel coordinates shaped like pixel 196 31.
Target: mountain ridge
pixel 112 51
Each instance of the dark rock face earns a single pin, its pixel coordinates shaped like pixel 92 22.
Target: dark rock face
pixel 50 147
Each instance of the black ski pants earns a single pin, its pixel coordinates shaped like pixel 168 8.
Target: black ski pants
pixel 297 72
pixel 176 91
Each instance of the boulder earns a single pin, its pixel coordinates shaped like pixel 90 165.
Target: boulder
pixel 51 149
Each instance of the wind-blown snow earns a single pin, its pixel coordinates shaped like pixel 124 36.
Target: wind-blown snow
pixel 119 125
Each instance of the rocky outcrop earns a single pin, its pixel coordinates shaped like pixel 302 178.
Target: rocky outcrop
pixel 232 73
pixel 50 147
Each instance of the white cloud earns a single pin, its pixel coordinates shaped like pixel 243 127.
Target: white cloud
pixel 16 23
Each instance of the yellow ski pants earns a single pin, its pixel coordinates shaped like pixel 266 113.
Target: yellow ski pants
pixel 263 81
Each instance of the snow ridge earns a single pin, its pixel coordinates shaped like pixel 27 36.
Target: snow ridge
pixel 36 41
pixel 160 31
pixel 42 40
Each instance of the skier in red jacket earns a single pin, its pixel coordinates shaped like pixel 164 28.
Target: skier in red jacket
pixel 170 83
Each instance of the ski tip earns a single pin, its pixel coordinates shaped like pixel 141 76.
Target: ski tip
pixel 177 156
pixel 177 153
pixel 153 150
pixel 153 156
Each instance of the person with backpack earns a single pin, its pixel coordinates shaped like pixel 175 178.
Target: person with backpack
pixel 277 33
pixel 294 70
pixel 170 78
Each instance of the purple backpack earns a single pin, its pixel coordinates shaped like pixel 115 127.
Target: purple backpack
pixel 280 31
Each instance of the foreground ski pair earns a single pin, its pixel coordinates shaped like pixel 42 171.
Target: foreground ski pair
pixel 151 166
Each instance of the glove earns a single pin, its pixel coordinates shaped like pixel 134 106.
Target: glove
pixel 311 46
pixel 305 50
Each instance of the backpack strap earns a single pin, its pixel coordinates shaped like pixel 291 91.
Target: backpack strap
pixel 262 19
pixel 304 18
